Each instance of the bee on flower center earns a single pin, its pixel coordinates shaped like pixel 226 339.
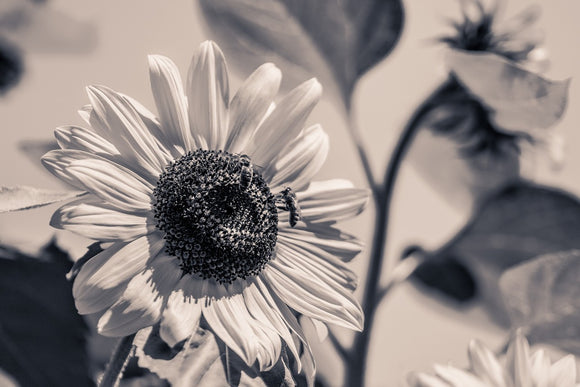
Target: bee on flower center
pixel 246 172
pixel 286 200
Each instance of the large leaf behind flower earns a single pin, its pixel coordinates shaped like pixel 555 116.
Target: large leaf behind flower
pixel 515 225
pixel 520 100
pixel 42 337
pixel 335 40
pixel 204 360
pixel 543 295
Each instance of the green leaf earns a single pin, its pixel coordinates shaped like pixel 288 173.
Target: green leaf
pixel 543 296
pixel 24 198
pixel 42 337
pixel 336 41
pixel 515 225
pixel 520 100
pixel 203 360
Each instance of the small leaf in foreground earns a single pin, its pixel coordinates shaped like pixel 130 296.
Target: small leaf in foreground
pixel 24 198
pixel 203 360
pixel 336 41
pixel 543 296
pixel 517 224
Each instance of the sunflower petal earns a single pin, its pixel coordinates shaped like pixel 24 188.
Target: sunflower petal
pixel 171 101
pixel 118 121
pixel 317 261
pixel 299 161
pixel 485 364
pixel 91 218
pixel 563 372
pixel 99 281
pixel 314 298
pixel 208 95
pixel 325 237
pixel 140 304
pixel 228 317
pixel 113 183
pixel 457 377
pixel 331 200
pixel 250 104
pixel 285 123
pixel 182 313
pixel 74 137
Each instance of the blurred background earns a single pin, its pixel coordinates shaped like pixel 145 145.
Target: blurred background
pixel 66 45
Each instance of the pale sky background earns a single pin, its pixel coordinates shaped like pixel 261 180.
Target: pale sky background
pixel 412 330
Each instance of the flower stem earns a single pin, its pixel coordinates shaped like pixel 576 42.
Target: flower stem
pixel 118 362
pixel 383 196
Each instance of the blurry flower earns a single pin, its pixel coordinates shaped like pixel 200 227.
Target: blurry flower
pixel 208 210
pixel 492 112
pixel 520 368
pixel 32 25
pixel 516 39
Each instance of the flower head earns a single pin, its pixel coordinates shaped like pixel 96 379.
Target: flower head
pixel 516 39
pixel 208 210
pixel 520 368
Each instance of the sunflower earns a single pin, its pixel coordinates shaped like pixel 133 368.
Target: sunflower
pixel 208 212
pixel 517 39
pixel 519 369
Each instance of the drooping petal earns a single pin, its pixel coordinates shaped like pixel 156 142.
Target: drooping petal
pixel 262 308
pixel 182 313
pixel 140 304
pixel 229 318
pixel 208 96
pixel 171 101
pixel 284 124
pixel 281 309
pixel 74 137
pixel 313 298
pixel 299 161
pixel 331 200
pixel 116 119
pixel 100 280
pixel 250 104
pixel 93 219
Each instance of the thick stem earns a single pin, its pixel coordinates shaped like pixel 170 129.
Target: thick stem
pixel 118 362
pixel 355 371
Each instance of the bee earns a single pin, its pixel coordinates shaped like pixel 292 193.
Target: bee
pixel 287 201
pixel 246 172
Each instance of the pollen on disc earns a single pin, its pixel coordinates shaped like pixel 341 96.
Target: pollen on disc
pixel 217 214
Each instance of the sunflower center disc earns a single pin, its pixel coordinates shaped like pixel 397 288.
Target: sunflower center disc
pixel 218 215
